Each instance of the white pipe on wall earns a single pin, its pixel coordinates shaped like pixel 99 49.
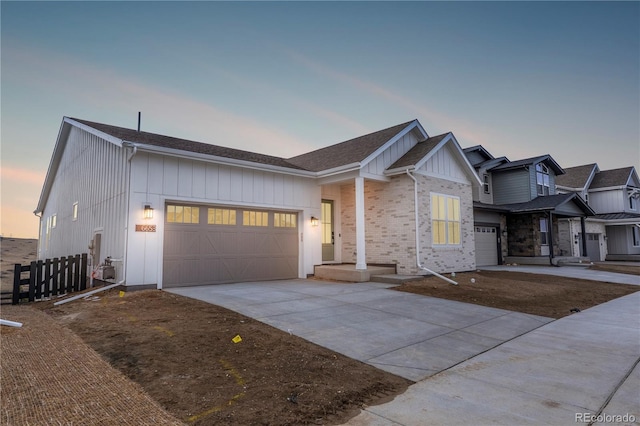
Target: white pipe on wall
pixel 420 266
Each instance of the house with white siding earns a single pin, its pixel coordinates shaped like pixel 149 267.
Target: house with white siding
pixel 613 233
pixel 172 212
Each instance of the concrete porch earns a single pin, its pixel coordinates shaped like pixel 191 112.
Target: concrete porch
pixel 348 272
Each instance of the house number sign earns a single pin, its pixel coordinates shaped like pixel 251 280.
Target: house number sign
pixel 145 228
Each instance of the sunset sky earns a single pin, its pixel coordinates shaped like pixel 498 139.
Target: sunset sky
pixel 283 78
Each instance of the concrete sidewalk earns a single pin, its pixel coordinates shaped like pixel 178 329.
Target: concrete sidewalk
pixel 558 374
pixel 406 334
pixel 579 272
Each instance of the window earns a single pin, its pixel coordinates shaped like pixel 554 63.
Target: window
pixel 284 220
pixel 182 214
pixel 253 218
pixel 635 231
pixel 485 184
pixel 74 214
pixel 54 221
pixel 542 179
pixel 633 202
pixel 221 216
pixel 544 232
pixel 445 219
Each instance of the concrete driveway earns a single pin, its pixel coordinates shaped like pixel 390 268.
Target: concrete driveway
pixel 406 334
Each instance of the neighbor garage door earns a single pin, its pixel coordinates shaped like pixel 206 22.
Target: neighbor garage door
pixel 216 245
pixel 486 246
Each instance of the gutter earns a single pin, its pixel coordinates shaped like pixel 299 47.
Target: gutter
pixel 418 264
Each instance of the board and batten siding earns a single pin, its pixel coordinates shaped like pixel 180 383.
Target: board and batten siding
pixel 443 165
pixel 156 179
pixel 612 201
pixel 93 173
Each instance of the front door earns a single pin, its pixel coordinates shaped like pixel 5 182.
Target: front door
pixel 328 240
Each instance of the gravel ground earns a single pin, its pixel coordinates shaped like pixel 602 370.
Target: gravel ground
pixel 49 376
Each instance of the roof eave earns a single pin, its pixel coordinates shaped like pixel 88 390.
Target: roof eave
pixel 220 160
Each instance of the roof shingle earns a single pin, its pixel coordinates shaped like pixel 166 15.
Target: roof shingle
pixel 576 177
pixel 418 152
pixel 613 177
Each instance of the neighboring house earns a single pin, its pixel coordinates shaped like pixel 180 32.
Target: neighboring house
pixel 614 232
pixel 516 210
pixel 172 212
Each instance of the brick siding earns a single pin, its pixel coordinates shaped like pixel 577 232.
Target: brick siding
pixel 390 229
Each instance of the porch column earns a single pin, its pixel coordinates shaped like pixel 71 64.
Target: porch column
pixel 361 262
pixel 584 237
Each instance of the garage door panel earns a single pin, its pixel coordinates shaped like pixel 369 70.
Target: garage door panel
pixel 200 253
pixel 486 239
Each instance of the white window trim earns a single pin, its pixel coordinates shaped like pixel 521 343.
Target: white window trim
pixel 74 212
pixel 635 236
pixel 459 221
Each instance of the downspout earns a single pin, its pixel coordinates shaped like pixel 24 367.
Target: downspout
pixel 420 266
pixel 126 228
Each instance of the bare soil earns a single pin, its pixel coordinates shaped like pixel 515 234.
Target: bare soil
pixel 622 269
pixel 14 250
pixel 181 351
pixel 545 295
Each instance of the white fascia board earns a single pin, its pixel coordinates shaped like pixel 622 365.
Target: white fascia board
pixel 337 178
pixel 413 125
pixel 371 176
pixel 569 189
pixel 616 222
pixel 95 132
pixel 220 160
pixel 337 170
pixel 441 177
pixel 399 171
pixel 471 171
pixel 61 142
pixel 608 188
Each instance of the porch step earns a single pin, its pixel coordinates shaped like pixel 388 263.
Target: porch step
pixel 395 278
pixel 350 273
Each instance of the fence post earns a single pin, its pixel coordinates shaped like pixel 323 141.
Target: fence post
pixel 39 280
pixel 56 271
pixel 32 281
pixel 83 272
pixel 17 276
pixel 63 270
pixel 76 277
pixel 47 278
pixel 69 274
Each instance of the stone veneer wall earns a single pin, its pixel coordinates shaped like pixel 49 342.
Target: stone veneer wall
pixel 390 229
pixel 524 235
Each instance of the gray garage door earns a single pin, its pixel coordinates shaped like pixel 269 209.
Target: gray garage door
pixel 215 245
pixel 486 246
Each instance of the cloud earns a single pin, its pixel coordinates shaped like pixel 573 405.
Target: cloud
pixel 103 89
pixel 21 175
pixel 421 111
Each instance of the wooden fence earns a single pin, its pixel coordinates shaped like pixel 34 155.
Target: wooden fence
pixel 51 277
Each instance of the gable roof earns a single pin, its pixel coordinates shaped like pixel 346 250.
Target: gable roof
pixel 614 177
pixel 577 177
pixel 153 139
pixel 481 151
pixel 417 153
pixel 348 152
pixel 547 159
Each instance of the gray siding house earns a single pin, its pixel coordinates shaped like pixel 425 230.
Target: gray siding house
pixel 518 210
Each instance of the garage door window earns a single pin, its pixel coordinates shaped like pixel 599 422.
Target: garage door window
pixel 182 214
pixel 253 218
pixel 221 216
pixel 284 220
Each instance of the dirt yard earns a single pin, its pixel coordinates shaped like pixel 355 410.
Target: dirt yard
pixel 182 351
pixel 14 250
pixel 545 295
